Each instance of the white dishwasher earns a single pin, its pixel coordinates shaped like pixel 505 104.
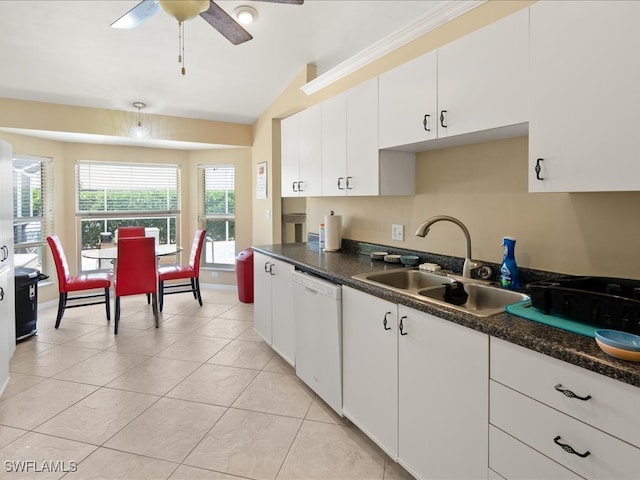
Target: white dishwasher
pixel 317 308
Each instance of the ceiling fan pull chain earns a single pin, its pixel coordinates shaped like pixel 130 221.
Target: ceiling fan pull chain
pixel 181 45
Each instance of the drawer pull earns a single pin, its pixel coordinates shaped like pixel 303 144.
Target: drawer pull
pixel 569 449
pixel 569 393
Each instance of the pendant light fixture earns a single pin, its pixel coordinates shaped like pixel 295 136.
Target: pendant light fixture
pixel 138 131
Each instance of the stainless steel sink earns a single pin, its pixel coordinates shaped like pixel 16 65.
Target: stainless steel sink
pixel 483 299
pixel 405 279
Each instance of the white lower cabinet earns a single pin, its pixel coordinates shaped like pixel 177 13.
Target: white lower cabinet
pixel 583 421
pixel 409 384
pixel 370 366
pixel 273 304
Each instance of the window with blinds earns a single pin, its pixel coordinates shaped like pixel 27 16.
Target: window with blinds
pixel 217 212
pixel 32 209
pixel 112 195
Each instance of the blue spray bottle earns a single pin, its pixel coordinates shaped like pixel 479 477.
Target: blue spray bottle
pixel 509 277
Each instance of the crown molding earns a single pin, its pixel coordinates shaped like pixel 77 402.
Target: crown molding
pixel 446 11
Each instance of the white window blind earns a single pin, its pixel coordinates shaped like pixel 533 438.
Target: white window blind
pixel 217 208
pixel 127 187
pixel 32 208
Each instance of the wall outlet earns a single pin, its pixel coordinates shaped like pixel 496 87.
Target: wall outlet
pixel 215 274
pixel 397 232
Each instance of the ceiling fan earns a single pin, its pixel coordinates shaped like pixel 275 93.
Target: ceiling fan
pixel 183 10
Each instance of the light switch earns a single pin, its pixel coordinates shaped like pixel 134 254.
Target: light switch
pixel 397 232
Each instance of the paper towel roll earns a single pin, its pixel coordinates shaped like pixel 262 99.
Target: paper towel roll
pixel 333 233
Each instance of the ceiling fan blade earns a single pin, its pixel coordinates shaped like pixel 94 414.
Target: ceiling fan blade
pixel 138 14
pixel 227 26
pixel 290 2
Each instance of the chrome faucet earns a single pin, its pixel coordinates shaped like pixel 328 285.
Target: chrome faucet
pixel 469 264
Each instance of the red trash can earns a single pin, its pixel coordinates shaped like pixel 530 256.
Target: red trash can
pixel 244 271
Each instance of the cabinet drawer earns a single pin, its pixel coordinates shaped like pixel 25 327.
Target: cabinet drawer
pixel 612 407
pixel 540 427
pixel 512 459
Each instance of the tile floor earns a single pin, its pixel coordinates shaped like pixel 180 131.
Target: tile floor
pixel 202 397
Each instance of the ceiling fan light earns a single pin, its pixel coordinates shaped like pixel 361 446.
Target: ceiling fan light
pixel 245 14
pixel 183 10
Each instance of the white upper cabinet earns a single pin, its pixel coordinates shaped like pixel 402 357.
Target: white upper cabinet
pixel 409 102
pixel 351 161
pixel 334 146
pixel 473 85
pixel 301 153
pixel 483 78
pixel 584 126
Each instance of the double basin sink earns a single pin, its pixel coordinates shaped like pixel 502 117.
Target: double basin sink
pixel 475 297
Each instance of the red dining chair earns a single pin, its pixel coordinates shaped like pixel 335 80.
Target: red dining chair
pixel 84 281
pixel 126 232
pixel 182 272
pixel 136 272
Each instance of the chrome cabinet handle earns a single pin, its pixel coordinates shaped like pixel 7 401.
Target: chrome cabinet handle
pixel 293 186
pixel 425 122
pixel 538 168
pixel 443 118
pixel 271 265
pixel 569 449
pixel 349 183
pixel 300 186
pixel 401 326
pixel 266 267
pixel 1 294
pixel 384 322
pixel 569 393
pixel 340 187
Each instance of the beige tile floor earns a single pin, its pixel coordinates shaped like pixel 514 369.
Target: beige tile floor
pixel 201 397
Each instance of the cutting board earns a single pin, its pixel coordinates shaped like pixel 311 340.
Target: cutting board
pixel 526 310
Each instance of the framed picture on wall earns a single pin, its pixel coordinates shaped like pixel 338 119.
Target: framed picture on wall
pixel 261 181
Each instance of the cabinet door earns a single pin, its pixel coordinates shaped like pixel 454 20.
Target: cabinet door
pixel 370 366
pixel 483 77
pixel 282 328
pixel 409 102
pixel 262 295
pixel 585 77
pixel 443 397
pixel 362 139
pixel 334 146
pixel 290 154
pixel 310 148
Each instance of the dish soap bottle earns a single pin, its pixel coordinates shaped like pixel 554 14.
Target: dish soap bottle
pixel 509 277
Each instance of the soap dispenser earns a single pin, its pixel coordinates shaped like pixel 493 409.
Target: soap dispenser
pixel 509 277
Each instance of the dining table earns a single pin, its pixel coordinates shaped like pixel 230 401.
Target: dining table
pixel 111 252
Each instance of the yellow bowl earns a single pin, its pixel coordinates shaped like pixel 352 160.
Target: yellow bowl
pixel 619 352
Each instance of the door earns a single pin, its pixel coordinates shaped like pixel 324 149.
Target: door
pixel 334 146
pixel 483 78
pixel 310 152
pixel 290 155
pixel 362 139
pixel 262 273
pixel 585 77
pixel 370 368
pixel 282 328
pixel 409 102
pixel 443 397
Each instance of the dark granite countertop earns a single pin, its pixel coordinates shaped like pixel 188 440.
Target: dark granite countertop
pixel 339 267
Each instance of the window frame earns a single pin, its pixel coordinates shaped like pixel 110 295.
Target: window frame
pixel 125 214
pixel 46 217
pixel 204 217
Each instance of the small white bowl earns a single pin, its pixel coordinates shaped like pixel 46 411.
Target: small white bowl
pixel 378 255
pixel 392 258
